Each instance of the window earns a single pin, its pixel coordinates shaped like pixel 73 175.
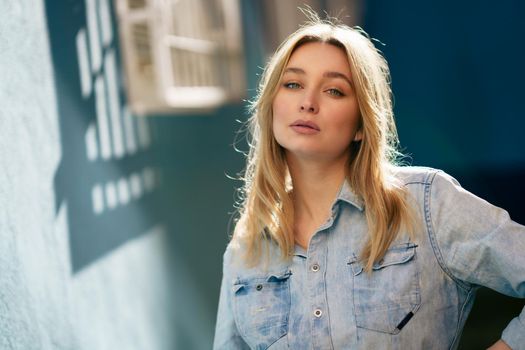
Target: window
pixel 181 55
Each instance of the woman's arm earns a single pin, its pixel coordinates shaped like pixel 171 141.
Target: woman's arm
pixel 500 345
pixel 478 244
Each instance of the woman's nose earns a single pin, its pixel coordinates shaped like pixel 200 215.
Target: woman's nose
pixel 309 104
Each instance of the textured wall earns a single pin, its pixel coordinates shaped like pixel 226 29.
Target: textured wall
pixel 153 288
pixel 119 302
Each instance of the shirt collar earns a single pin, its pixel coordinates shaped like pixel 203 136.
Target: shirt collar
pixel 299 251
pixel 347 194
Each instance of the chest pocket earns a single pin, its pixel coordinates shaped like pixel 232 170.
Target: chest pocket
pixel 386 299
pixel 262 306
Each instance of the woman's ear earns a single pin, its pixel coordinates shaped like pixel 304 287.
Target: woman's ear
pixel 358 135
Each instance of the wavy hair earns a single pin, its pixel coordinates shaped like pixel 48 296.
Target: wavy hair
pixel 267 211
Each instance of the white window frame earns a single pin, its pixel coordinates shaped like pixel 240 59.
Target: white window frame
pixel 181 55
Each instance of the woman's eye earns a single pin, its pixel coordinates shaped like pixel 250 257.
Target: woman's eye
pixel 335 92
pixel 292 85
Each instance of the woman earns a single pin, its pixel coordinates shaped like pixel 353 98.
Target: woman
pixel 338 248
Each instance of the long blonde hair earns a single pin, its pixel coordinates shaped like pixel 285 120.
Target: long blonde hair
pixel 267 211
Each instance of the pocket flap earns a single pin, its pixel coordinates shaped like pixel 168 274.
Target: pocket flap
pixel 357 267
pixel 246 281
pixel 279 276
pixel 237 287
pixel 398 254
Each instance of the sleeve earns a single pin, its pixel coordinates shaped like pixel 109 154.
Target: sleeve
pixel 478 244
pixel 226 333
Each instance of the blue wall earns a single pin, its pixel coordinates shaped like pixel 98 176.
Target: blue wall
pixel 457 78
pixel 457 71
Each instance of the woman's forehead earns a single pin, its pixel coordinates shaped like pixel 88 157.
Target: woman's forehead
pixel 316 56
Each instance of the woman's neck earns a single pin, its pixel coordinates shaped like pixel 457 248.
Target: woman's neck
pixel 315 187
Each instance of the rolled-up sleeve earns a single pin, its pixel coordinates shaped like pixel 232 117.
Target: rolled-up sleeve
pixel 478 244
pixel 226 334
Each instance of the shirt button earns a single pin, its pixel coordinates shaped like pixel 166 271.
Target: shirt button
pixel 318 313
pixel 315 267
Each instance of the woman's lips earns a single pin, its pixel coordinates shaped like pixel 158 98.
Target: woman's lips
pixel 305 127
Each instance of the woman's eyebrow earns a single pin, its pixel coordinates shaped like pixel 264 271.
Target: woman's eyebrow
pixel 294 70
pixel 329 74
pixel 338 75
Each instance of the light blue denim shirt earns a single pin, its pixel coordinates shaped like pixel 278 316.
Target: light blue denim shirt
pixel 418 295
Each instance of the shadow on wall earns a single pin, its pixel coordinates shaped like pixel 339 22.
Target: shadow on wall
pixel 108 173
pixel 120 176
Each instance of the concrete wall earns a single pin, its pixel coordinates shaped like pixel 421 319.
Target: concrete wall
pixel 118 302
pixel 138 270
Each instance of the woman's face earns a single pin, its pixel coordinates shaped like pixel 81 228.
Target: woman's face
pixel 315 111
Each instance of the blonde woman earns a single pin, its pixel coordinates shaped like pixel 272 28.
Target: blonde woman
pixel 336 246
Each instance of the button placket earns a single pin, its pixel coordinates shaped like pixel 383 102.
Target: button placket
pixel 317 293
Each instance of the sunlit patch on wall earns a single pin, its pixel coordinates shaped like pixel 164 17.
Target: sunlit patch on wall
pixel 107 175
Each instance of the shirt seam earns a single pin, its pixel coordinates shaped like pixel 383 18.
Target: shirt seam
pixel 432 235
pixel 459 328
pixel 416 183
pixel 326 296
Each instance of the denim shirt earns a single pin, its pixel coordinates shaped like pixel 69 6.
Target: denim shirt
pixel 418 296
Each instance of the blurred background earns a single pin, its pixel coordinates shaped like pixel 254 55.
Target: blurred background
pixel 117 125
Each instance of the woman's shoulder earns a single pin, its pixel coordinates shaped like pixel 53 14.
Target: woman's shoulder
pixel 236 264
pixel 420 175
pixel 233 253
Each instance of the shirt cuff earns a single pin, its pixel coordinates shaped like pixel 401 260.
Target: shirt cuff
pixel 514 334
